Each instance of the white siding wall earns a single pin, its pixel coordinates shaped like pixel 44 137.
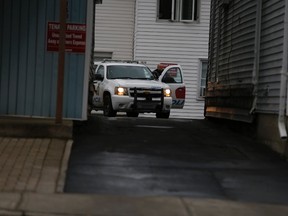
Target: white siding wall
pixel 271 56
pixel 183 43
pixel 114 28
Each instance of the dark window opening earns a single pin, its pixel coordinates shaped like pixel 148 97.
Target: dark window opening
pixel 178 10
pixel 165 9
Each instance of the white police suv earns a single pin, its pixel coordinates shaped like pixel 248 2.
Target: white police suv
pixel 129 87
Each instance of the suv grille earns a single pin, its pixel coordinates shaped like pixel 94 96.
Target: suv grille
pixel 145 93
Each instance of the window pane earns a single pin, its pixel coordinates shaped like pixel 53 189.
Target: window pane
pixel 128 72
pixel 187 8
pixel 202 84
pixel 196 10
pixel 204 69
pixel 100 71
pixel 165 9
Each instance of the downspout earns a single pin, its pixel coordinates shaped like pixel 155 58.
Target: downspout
pixel 135 30
pixel 255 73
pixel 283 86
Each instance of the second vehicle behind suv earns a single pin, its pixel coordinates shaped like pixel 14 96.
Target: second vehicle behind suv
pixel 129 87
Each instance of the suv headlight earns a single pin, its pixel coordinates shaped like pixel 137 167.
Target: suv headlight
pixel 167 92
pixel 121 91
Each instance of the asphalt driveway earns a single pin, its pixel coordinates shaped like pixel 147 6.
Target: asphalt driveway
pixel 192 158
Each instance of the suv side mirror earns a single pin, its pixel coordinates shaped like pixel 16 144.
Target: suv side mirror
pixel 98 77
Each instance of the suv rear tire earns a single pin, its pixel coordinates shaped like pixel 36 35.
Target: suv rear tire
pixel 163 115
pixel 132 114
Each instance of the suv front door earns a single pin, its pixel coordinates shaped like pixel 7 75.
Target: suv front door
pixel 172 75
pixel 97 99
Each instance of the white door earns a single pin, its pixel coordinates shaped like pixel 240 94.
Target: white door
pixel 172 75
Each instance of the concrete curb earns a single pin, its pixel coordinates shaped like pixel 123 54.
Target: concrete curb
pixel 35 128
pixel 64 166
pixel 10 200
pixel 10 213
pixel 109 205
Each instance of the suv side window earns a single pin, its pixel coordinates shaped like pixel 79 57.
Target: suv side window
pixel 100 70
pixel 173 75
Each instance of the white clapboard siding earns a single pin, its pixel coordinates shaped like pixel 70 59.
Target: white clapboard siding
pixel 114 28
pixel 183 43
pixel 271 56
pixel 131 31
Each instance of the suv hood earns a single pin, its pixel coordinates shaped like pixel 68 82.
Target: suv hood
pixel 131 83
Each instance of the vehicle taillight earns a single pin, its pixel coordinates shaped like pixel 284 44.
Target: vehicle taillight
pixel 180 92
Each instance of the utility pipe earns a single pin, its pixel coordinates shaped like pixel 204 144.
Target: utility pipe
pixel 61 62
pixel 283 86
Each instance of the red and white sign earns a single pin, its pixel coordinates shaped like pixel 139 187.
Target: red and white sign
pixel 75 37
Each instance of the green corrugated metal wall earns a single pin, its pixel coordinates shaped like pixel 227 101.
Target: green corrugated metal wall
pixel 28 73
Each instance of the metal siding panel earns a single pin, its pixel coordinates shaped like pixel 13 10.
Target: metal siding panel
pixel 77 11
pixel 29 88
pixel 211 73
pixel 239 37
pixel 232 39
pixel 14 54
pixel 50 69
pixel 53 12
pixel 79 83
pixel 1 47
pixel 67 89
pixel 31 58
pixel 271 56
pixel 74 67
pixel 114 28
pixel 5 66
pixel 39 101
pixel 22 76
pixel 81 67
pixel 71 88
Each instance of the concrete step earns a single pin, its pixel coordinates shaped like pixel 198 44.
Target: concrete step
pixel 35 128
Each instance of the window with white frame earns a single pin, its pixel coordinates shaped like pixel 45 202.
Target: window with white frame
pixel 178 10
pixel 202 79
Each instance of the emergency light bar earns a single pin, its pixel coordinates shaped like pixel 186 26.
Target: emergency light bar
pixel 162 66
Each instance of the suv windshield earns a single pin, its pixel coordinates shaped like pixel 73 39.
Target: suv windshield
pixel 128 72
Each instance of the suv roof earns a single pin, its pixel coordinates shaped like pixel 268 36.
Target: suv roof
pixel 122 62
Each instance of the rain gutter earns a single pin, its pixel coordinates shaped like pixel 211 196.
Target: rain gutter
pixel 283 86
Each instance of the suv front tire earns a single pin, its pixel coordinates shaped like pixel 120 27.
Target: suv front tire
pixel 107 107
